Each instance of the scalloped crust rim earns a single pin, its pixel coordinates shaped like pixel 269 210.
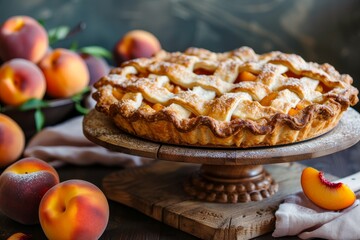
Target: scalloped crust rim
pixel 205 131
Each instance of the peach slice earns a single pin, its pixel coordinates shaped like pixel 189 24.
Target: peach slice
pixel 323 193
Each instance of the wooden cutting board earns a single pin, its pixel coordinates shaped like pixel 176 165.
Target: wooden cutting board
pixel 156 190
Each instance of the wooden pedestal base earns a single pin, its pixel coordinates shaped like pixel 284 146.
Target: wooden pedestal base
pixel 157 191
pixel 231 184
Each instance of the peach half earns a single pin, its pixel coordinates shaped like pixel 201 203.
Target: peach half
pixel 74 209
pixel 136 44
pixel 65 72
pixel 323 193
pixel 22 186
pixel 12 141
pixel 20 80
pixel 23 37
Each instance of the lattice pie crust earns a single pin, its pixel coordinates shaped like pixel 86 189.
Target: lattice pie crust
pixel 231 99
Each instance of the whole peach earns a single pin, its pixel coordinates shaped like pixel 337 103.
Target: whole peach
pixel 12 141
pixel 74 209
pixel 97 67
pixel 22 186
pixel 22 37
pixel 65 72
pixel 19 236
pixel 136 44
pixel 21 80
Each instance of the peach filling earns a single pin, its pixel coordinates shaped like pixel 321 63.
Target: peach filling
pixel 149 106
pixel 321 87
pixel 266 101
pixel 157 107
pixel 291 74
pixel 140 74
pixel 118 93
pixel 245 76
pixel 203 71
pixel 300 106
pixel 173 88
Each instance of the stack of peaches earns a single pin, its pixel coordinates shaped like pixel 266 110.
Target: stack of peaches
pixel 30 70
pixel 30 189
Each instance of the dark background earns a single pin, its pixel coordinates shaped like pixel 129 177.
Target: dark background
pixel 318 30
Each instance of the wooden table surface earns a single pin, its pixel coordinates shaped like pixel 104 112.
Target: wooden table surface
pixel 127 223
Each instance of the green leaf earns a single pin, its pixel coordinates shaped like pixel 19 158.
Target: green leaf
pixel 79 96
pixel 41 22
pixel 39 119
pixel 96 51
pixel 58 33
pixel 74 46
pixel 77 99
pixel 33 104
pixel 81 109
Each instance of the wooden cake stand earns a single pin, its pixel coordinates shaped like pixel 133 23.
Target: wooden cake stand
pixel 189 197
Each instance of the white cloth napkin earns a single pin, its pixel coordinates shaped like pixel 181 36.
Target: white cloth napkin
pixel 66 143
pixel 299 216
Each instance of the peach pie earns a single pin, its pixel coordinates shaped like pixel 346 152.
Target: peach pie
pixel 232 99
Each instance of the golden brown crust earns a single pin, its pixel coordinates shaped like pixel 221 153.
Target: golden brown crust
pixel 201 98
